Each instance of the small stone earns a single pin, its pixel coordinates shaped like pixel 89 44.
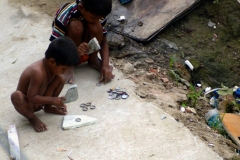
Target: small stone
pixel 163 117
pixel 99 84
pixel 191 110
pixel 140 23
pixel 151 96
pixel 182 109
pixel 153 70
pixel 151 76
pixel 184 87
pixel 211 24
pixel 141 94
pixel 165 80
pixel 145 83
pixel 149 61
pixel 128 67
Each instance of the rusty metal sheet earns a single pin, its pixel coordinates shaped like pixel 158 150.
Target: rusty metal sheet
pixel 146 18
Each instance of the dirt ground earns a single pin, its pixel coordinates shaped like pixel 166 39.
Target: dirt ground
pixel 193 38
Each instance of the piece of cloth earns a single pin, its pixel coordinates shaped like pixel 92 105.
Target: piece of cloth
pixel 67 13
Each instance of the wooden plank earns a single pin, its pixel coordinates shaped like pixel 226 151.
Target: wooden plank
pixel 13 143
pixel 144 19
pixel 231 123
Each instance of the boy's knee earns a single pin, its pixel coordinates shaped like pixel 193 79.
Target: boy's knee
pixel 75 29
pixel 17 96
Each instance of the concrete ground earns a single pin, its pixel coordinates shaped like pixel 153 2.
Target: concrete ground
pixel 126 129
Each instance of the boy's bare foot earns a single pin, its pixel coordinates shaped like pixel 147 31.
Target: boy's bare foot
pixel 54 110
pixel 37 124
pixel 69 76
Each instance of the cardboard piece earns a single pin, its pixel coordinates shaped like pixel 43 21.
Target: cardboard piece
pixel 231 123
pixel 75 121
pixel 13 143
pixel 72 94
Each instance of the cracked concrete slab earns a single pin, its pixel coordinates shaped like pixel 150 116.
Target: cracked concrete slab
pixel 126 129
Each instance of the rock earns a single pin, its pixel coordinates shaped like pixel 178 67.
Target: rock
pixel 72 94
pixel 211 24
pixel 184 87
pixel 182 109
pixel 139 64
pixel 146 83
pixel 128 67
pixel 151 96
pixel 75 121
pixel 153 70
pixel 169 44
pixel 149 61
pixel 115 40
pixel 191 110
pixel 165 80
pixel 142 55
pixel 141 94
pixel 151 76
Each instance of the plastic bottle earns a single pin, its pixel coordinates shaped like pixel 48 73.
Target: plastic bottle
pixel 211 113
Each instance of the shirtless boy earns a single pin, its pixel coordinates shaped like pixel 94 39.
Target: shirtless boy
pixel 41 83
pixel 81 21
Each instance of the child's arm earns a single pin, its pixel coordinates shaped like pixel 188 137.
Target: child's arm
pixel 106 72
pixel 35 88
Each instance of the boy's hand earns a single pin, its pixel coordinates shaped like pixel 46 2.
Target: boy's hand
pixel 58 101
pixel 64 108
pixel 106 74
pixel 83 48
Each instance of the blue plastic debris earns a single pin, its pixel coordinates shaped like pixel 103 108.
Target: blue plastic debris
pixel 216 94
pixel 237 93
pixel 214 102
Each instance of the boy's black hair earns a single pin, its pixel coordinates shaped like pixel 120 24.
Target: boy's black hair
pixel 64 51
pixel 97 7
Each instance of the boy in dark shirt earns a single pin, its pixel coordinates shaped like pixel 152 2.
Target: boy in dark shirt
pixel 41 83
pixel 81 21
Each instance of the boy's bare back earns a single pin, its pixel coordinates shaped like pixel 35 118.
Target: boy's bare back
pixel 34 79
